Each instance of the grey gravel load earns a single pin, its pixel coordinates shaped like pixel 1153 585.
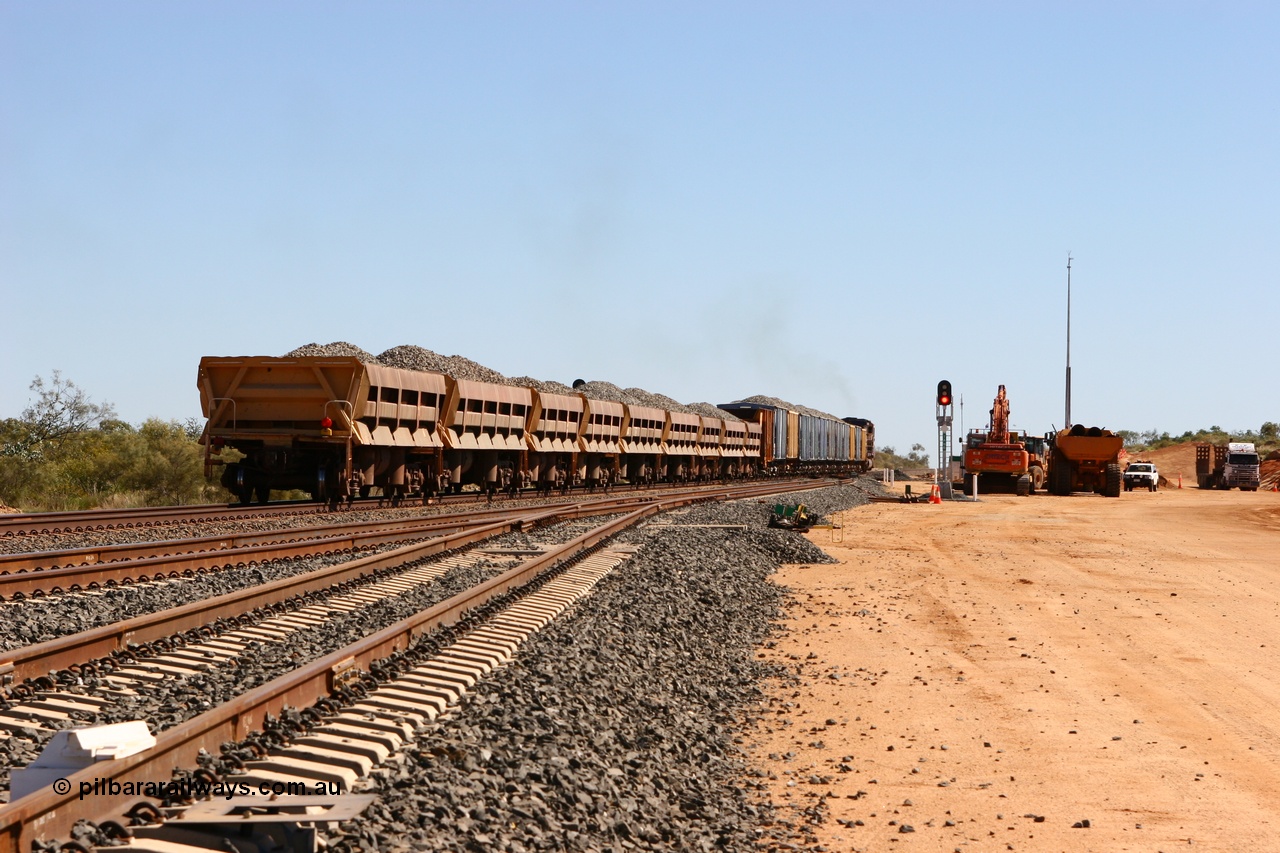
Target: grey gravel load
pixel 545 386
pixel 783 404
pixel 410 357
pixel 657 401
pixel 598 389
pixel 713 412
pixel 337 348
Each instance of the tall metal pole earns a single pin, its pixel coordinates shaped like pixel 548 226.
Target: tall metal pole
pixel 1067 424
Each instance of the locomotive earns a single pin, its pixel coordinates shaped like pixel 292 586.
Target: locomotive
pixel 337 427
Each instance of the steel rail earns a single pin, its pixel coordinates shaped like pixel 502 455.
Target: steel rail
pixel 74 578
pixel 79 521
pixel 78 649
pixel 48 814
pixel 100 555
pixel 50 572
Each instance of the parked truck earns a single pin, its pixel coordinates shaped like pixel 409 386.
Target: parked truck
pixel 1225 466
pixel 1086 459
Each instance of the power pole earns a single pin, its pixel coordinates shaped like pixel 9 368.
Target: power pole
pixel 1067 424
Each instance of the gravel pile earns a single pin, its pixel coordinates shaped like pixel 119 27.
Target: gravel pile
pixel 546 387
pixel 598 389
pixel 658 401
pixel 783 404
pixel 330 350
pixel 410 357
pixel 713 412
pixel 615 727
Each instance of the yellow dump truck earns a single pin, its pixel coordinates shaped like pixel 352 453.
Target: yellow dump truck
pixel 1086 459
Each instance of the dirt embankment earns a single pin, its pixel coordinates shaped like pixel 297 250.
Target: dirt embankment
pixel 1036 673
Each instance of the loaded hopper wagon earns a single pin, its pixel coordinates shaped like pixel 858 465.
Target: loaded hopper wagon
pixel 337 427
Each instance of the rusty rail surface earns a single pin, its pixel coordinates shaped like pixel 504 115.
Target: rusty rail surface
pixel 224 543
pixel 49 572
pixel 77 521
pixel 16 524
pixel 47 814
pixel 81 648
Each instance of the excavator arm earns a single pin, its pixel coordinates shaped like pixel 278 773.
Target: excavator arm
pixel 999 433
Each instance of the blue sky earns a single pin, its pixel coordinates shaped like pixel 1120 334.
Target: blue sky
pixel 834 203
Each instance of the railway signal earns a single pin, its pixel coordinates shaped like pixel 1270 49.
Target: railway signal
pixel 943 400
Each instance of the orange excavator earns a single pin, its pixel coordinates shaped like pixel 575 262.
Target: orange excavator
pixel 999 459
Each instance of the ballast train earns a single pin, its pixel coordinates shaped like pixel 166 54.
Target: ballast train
pixel 338 427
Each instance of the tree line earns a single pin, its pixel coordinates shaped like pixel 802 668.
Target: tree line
pixel 66 451
pixel 1266 438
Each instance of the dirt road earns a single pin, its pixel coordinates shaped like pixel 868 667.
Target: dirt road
pixel 997 675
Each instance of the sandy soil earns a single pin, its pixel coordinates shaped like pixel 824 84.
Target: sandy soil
pixel 993 675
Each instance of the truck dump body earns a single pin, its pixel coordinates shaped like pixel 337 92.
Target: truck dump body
pixel 1086 459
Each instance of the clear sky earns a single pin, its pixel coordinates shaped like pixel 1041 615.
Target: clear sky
pixel 834 203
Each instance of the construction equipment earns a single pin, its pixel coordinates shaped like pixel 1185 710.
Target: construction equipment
pixel 791 517
pixel 1086 459
pixel 1222 467
pixel 998 459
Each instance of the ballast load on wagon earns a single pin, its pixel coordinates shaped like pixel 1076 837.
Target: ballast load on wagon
pixel 338 427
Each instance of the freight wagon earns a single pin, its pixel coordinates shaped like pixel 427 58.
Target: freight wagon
pixel 337 427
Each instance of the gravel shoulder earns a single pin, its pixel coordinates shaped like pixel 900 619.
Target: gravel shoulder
pixel 993 674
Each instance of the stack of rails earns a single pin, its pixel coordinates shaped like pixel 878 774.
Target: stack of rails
pixel 340 426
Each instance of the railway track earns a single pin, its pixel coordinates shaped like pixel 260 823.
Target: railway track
pixel 29 524
pixel 50 572
pixel 372 715
pixel 81 521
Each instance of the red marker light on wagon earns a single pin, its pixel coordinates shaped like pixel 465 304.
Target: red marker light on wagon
pixel 326 426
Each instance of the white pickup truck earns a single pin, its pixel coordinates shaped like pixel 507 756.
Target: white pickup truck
pixel 1141 474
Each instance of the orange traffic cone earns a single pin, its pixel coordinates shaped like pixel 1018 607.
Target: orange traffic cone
pixel 935 494
pixel 1179 479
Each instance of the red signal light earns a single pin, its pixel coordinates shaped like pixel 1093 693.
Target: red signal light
pixel 944 393
pixel 326 423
